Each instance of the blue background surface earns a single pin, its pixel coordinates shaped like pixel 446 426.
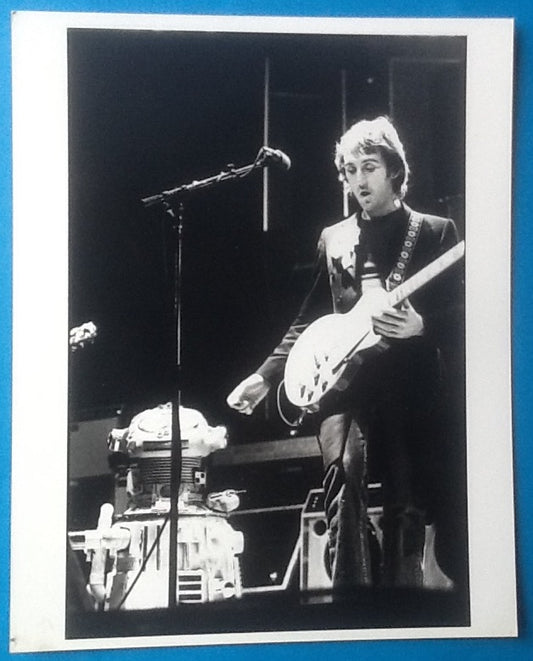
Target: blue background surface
pixel 522 266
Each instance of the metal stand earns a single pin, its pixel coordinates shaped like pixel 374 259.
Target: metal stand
pixel 175 445
pixel 264 157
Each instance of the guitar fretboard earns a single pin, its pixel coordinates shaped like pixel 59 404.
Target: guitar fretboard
pixel 426 274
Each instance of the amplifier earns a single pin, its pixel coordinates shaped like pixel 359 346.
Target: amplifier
pixel 315 572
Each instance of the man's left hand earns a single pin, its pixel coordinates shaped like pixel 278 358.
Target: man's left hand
pixel 398 323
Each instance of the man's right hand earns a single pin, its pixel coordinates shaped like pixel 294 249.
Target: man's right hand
pixel 247 395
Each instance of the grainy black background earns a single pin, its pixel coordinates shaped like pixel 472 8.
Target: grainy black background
pixel 149 111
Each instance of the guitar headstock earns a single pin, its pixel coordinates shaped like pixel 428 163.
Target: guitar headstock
pixel 79 336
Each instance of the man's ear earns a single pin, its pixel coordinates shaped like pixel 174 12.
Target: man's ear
pixel 394 174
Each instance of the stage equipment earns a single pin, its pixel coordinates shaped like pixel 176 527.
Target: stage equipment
pixel 172 203
pixel 266 156
pixel 315 571
pixel 128 550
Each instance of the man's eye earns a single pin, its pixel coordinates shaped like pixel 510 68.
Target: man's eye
pixel 369 168
pixel 350 170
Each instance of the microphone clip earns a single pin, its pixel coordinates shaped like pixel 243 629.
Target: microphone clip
pixel 269 156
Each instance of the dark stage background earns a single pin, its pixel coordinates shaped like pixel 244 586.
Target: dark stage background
pixel 151 110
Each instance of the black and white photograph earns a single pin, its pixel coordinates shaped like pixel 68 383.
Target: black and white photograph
pixel 271 418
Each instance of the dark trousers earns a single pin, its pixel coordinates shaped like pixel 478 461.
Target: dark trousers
pixel 389 414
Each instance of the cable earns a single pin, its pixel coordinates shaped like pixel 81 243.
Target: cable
pixel 144 562
pixel 289 423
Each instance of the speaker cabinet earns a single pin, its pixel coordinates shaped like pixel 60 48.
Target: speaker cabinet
pixel 315 572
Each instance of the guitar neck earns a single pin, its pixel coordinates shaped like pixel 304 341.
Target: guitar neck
pixel 426 274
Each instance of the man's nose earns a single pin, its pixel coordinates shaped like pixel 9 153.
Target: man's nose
pixel 360 180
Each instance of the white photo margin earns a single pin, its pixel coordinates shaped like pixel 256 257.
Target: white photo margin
pixel 40 263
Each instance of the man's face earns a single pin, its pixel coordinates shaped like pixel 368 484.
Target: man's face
pixel 369 181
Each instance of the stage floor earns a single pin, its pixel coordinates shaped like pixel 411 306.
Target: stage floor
pixel 282 611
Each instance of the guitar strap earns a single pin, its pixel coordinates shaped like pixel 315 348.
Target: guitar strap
pixel 397 275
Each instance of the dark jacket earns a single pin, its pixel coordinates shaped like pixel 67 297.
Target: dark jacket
pixel 336 285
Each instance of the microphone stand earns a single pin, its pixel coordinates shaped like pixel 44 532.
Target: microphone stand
pixel 164 199
pixel 175 431
pixel 261 160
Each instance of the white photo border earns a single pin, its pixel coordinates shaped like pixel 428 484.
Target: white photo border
pixel 40 248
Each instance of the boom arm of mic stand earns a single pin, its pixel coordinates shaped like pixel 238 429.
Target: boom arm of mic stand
pixel 224 175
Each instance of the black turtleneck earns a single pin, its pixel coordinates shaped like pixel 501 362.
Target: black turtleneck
pixel 381 240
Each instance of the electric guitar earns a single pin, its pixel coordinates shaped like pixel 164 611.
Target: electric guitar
pixel 321 357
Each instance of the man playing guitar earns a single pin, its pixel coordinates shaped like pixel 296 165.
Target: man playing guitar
pixel 396 406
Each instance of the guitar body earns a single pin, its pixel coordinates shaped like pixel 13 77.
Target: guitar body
pixel 324 353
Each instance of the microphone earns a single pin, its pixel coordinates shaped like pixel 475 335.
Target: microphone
pixel 265 157
pixel 268 156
